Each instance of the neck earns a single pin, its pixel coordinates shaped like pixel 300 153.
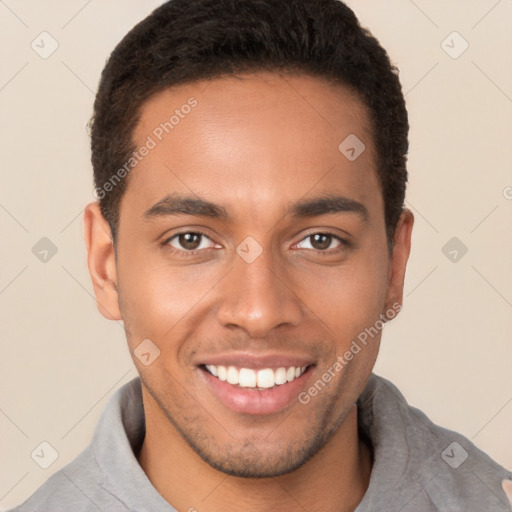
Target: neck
pixel 335 479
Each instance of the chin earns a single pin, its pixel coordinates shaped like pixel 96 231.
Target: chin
pixel 247 461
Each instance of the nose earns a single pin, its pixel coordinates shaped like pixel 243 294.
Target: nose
pixel 259 297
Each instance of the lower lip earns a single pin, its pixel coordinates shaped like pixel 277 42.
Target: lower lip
pixel 256 401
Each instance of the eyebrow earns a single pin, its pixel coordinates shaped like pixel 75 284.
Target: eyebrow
pixel 176 204
pixel 328 204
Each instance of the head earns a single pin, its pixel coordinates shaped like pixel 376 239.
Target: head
pixel 250 163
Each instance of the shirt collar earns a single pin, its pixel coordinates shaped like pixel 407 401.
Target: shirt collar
pixel 118 436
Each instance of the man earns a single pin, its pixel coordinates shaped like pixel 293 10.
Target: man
pixel 250 164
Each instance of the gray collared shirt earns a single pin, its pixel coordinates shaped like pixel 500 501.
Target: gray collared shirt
pixel 418 466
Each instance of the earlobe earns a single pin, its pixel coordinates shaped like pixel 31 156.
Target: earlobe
pixel 399 258
pixel 101 262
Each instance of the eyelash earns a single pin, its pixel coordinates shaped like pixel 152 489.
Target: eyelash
pixel 172 250
pixel 345 244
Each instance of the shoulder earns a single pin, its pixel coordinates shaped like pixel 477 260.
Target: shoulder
pixel 87 482
pixel 76 487
pixel 437 465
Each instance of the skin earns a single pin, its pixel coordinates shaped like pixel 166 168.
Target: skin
pixel 254 145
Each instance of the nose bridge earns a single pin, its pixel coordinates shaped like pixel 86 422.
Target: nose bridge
pixel 257 296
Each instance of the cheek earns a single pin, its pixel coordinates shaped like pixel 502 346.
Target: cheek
pixel 347 298
pixel 159 299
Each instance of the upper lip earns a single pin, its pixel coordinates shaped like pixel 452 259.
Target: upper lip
pixel 256 361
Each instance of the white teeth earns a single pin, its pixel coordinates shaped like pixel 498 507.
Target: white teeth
pixel 249 378
pixel 266 378
pixel 232 377
pixel 212 369
pixel 281 376
pixel 222 373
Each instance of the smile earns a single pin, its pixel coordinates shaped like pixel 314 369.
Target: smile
pixel 265 378
pixel 256 386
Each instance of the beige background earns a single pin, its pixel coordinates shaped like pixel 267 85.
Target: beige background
pixel 450 351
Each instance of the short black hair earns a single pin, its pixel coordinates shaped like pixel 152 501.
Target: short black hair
pixel 189 40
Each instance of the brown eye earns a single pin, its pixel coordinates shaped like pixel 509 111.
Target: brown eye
pixel 190 241
pixel 321 242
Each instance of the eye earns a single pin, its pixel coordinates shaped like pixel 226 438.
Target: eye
pixel 322 242
pixel 190 241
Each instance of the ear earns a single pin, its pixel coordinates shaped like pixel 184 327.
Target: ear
pixel 101 261
pixel 399 257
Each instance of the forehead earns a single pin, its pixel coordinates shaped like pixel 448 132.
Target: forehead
pixel 250 138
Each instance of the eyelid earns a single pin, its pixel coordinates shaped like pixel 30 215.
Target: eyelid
pixel 334 232
pixel 343 242
pixel 166 242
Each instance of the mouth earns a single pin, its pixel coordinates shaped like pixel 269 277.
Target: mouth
pixel 266 378
pixel 256 391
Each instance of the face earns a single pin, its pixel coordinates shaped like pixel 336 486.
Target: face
pixel 252 253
